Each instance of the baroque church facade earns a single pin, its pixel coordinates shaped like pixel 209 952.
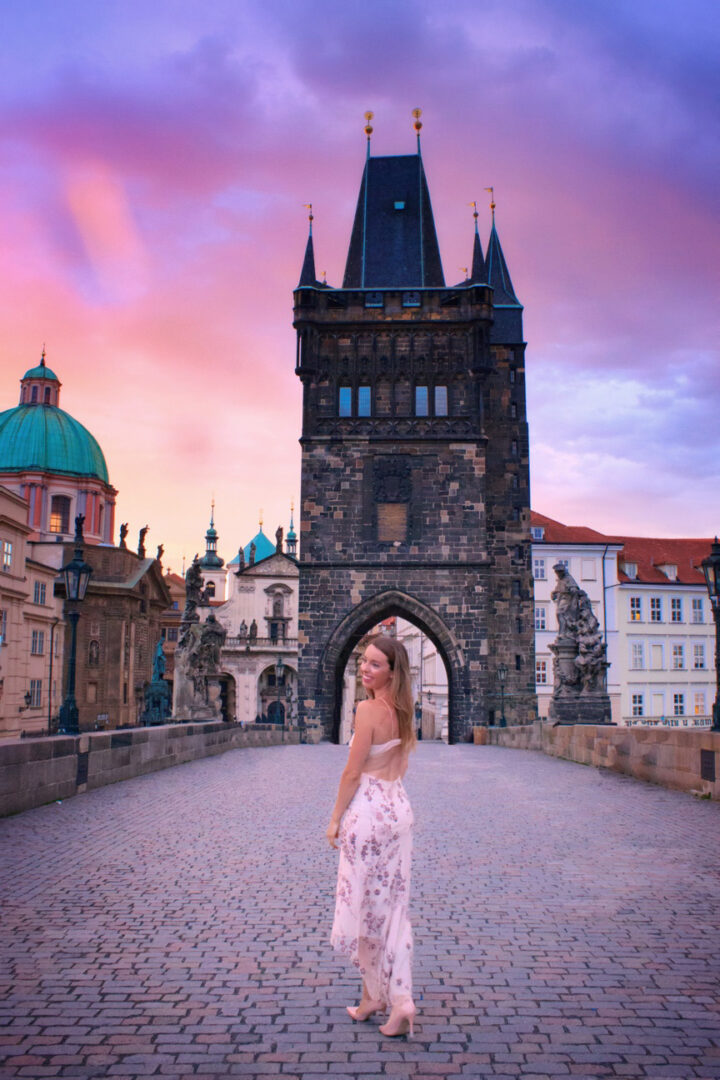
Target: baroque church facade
pixel 415 478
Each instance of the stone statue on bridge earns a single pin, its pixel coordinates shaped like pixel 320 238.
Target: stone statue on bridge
pixel 580 657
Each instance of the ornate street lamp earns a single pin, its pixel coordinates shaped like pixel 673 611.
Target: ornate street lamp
pixel 711 570
pixel 76 575
pixel 279 668
pixel 502 672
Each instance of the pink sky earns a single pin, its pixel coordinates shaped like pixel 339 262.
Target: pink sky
pixel 155 163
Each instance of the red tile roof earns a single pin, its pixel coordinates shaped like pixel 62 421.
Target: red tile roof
pixel 648 553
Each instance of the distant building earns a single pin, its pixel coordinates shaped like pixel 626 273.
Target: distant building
pixel 55 464
pixel 31 630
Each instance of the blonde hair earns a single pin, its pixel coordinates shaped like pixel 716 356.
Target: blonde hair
pixel 400 685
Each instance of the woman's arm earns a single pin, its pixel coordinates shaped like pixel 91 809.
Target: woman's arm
pixel 350 779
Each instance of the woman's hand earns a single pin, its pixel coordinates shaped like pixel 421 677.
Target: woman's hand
pixel 332 832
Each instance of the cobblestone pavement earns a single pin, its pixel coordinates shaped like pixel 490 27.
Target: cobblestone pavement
pixel 566 924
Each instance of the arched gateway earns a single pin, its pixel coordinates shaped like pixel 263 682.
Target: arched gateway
pixel 363 618
pixel 415 475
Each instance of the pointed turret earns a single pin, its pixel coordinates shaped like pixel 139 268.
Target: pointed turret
pixel 507 326
pixel 477 273
pixel 307 274
pixel 211 559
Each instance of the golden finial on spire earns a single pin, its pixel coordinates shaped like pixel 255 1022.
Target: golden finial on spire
pixel 324 274
pixel 417 113
pixel 261 519
pixel 308 207
pixel 368 124
pixel 465 271
pixel 475 210
pixel 492 198
pixel 42 356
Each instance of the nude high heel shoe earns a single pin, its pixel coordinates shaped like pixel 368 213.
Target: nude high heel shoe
pixel 402 1020
pixel 364 1010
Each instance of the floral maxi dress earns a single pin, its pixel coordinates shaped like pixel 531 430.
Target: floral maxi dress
pixel 371 924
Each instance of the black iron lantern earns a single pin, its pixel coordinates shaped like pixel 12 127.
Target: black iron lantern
pixel 711 570
pixel 76 575
pixel 502 673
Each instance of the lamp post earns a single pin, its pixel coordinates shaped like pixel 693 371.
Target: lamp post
pixel 76 574
pixel 279 668
pixel 711 570
pixel 502 676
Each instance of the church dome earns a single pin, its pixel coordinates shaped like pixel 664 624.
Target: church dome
pixel 264 548
pixel 47 439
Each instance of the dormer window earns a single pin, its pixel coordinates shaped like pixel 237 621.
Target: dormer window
pixel 630 570
pixel 537 532
pixel 669 570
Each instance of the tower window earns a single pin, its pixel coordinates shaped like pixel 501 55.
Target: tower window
pixel 513 411
pixel 46 396
pixel 441 401
pixel 364 401
pixel 34 394
pixel 60 514
pixel 345 401
pixel 421 401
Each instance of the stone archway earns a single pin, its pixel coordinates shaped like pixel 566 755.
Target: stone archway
pixel 359 621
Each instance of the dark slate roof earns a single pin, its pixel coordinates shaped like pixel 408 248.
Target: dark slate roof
pixel 498 275
pixel 393 242
pixel 307 274
pixel 477 274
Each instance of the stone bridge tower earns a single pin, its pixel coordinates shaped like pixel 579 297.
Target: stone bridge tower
pixel 415 480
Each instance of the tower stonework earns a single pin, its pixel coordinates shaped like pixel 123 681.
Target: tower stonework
pixel 415 478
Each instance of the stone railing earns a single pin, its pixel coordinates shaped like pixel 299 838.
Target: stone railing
pixel 288 644
pixel 687 759
pixel 38 771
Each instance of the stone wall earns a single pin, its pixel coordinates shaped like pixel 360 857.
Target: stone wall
pixel 38 771
pixel 672 757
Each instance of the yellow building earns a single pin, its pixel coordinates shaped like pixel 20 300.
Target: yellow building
pixel 31 654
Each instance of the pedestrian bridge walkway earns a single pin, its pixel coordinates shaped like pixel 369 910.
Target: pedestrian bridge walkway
pixel 176 925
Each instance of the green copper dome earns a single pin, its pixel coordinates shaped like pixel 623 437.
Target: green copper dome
pixel 45 438
pixel 41 372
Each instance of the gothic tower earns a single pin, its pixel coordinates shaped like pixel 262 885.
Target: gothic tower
pixel 415 479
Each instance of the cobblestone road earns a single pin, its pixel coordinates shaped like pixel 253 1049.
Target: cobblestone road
pixel 566 924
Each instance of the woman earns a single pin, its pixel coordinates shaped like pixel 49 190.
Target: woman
pixel 373 821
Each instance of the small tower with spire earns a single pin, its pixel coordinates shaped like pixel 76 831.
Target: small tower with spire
pixel 291 538
pixel 212 566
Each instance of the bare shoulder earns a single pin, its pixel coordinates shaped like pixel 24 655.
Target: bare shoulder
pixel 369 709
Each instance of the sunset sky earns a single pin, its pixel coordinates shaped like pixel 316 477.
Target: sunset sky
pixel 156 157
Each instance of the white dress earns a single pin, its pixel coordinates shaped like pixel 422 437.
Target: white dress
pixel 371 924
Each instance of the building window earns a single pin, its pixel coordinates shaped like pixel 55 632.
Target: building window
pixel 539 569
pixel 39 592
pixel 171 633
pixel 513 411
pixel 94 654
pixel 541 672
pixel 364 401
pixel 514 448
pixel 540 617
pixel 638 705
pixel 700 703
pixel 515 587
pixel 35 693
pixel 656 609
pixel 60 514
pixel 421 401
pixel 678 704
pixel 441 401
pixel 676 609
pixel 518 662
pixel 37 643
pixel 637 656
pixel 699 655
pixel 3 626
pixel 515 485
pixel 512 374
pixel 635 609
pixel 698 613
pixel 345 401
pixel 678 654
pixel 7 555
pixel 629 569
pixel 34 394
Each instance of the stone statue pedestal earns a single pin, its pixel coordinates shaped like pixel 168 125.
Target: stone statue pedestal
pixel 590 708
pixel 189 707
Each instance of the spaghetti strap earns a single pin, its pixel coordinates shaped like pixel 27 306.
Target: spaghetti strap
pixel 393 714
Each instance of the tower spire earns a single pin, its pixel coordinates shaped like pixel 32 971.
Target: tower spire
pixel 498 275
pixel 477 273
pixel 368 129
pixel 307 274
